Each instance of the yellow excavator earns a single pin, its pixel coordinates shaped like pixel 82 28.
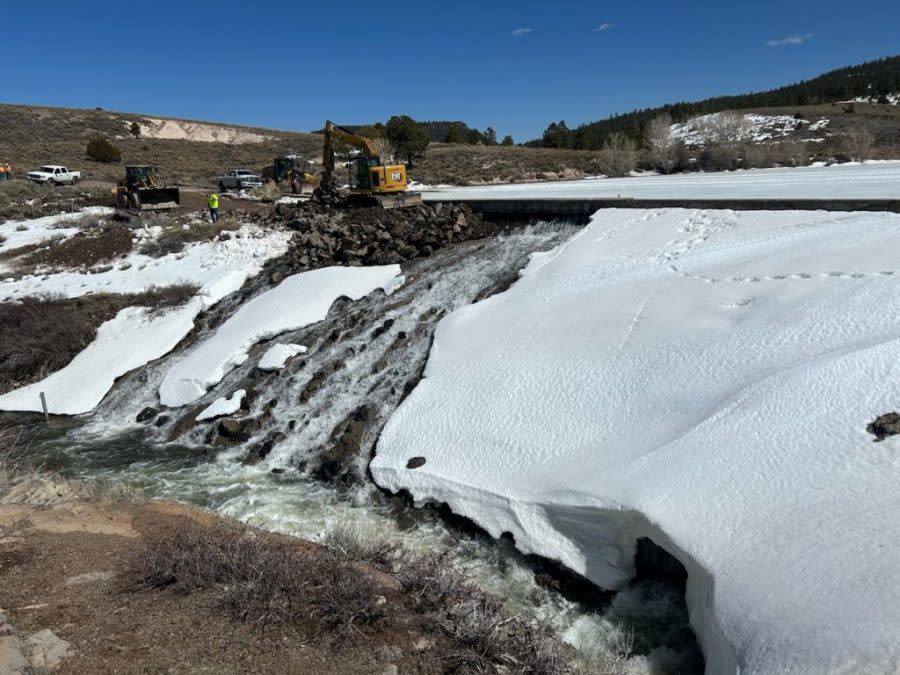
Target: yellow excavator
pixel 370 180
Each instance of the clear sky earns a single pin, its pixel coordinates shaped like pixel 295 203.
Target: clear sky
pixel 511 65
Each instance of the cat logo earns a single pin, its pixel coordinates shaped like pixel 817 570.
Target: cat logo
pixel 396 176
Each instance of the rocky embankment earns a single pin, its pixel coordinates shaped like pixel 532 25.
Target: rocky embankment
pixel 332 229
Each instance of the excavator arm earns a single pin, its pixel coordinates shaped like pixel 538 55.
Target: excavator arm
pixel 333 134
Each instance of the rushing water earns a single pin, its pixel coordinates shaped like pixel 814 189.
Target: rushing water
pixel 370 365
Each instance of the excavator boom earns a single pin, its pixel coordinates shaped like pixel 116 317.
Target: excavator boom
pixel 335 133
pixel 370 179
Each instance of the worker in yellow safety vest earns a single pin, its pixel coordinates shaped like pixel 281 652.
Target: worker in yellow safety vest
pixel 213 202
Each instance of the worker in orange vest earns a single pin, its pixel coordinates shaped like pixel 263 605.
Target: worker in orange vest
pixel 3 174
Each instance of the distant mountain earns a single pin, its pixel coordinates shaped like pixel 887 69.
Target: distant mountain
pixel 874 79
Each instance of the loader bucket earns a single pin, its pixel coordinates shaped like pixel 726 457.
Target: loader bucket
pixel 157 199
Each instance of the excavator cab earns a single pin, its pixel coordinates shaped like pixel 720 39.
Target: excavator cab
pixel 369 175
pixel 370 180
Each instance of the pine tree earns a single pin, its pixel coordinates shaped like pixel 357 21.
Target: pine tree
pixel 406 136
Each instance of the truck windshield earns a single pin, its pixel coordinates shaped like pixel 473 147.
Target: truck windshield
pixel 46 169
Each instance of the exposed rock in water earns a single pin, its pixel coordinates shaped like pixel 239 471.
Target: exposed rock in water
pixel 230 428
pixel 415 462
pixel 338 459
pixel 884 426
pixel 146 414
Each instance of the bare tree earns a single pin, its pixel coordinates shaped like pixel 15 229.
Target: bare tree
pixel 666 153
pixel 618 155
pixel 726 128
pixel 661 144
pixel 727 137
pixel 858 143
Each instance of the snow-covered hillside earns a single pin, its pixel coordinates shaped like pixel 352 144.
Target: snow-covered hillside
pixel 733 126
pixel 702 378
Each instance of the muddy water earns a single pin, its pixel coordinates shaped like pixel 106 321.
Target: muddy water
pixel 316 423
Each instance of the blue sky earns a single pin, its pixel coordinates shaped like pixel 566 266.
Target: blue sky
pixel 511 65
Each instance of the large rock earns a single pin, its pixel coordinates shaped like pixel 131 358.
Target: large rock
pixel 12 658
pixel 46 650
pixel 230 428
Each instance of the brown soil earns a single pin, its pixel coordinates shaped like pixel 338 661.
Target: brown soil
pixel 84 249
pixel 59 568
pixel 195 200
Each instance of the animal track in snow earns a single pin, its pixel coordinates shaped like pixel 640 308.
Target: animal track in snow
pixel 781 277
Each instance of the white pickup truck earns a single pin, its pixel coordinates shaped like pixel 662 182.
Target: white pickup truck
pixel 51 174
pixel 240 179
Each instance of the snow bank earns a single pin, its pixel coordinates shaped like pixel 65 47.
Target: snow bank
pixel 872 180
pixel 275 357
pixel 133 338
pixel 218 267
pixel 297 301
pixel 19 233
pixel 223 406
pixel 702 378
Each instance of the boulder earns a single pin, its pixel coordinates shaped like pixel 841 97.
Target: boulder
pixel 230 428
pixel 146 414
pixel 46 650
pixel 12 658
pixel 884 426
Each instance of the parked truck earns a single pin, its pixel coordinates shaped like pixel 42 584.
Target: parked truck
pixel 239 179
pixel 52 174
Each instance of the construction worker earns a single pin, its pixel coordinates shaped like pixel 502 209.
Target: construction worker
pixel 8 171
pixel 213 202
pixel 3 175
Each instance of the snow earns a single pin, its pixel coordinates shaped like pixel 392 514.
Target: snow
pixel 704 379
pixel 19 233
pixel 872 180
pixel 276 356
pixel 299 300
pixel 736 126
pixel 136 336
pixel 223 406
pixel 133 338
pixel 218 267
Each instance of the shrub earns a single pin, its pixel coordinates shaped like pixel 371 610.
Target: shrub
pixel 101 150
pixel 40 335
pixel 257 577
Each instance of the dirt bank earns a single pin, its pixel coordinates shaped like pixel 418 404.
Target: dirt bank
pixel 111 578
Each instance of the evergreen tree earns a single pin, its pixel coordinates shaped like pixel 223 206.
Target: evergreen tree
pixel 507 140
pixel 101 150
pixel 556 135
pixel 135 129
pixel 455 134
pixel 407 138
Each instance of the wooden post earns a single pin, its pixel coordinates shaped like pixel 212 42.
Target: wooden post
pixel 44 406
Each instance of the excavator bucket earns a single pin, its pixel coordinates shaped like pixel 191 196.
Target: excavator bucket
pixel 156 198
